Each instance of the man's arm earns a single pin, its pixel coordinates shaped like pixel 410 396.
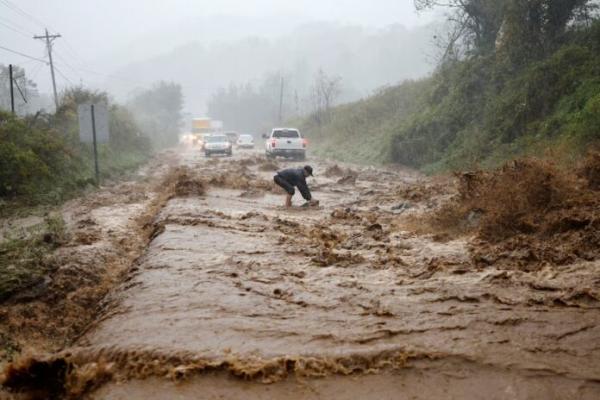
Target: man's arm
pixel 303 188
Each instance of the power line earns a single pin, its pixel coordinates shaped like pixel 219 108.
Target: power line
pixel 25 62
pixel 23 13
pixel 14 29
pixel 35 72
pixel 70 49
pixel 64 61
pixel 24 55
pixel 63 75
pixel 15 25
pixel 78 69
pixel 49 38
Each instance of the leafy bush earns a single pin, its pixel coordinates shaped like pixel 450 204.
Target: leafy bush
pixel 479 111
pixel 30 157
pixel 42 160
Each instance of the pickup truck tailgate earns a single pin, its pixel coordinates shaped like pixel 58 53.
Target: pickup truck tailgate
pixel 289 143
pixel 287 140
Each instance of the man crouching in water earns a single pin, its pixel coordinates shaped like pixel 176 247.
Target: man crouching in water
pixel 288 178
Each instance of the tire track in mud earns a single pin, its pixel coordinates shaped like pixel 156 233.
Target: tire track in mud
pixel 232 293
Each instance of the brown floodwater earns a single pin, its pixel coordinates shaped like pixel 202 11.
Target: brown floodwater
pixel 237 297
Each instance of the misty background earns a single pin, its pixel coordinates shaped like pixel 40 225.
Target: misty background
pixel 214 47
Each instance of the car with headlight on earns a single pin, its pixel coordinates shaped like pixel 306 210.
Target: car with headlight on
pixel 217 144
pixel 202 140
pixel 245 142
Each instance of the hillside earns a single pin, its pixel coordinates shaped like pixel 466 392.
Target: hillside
pixel 364 58
pixel 477 111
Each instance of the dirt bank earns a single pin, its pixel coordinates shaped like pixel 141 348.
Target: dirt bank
pixel 103 234
pixel 237 297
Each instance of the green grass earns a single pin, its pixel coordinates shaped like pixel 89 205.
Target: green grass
pixel 478 112
pixel 42 161
pixel 24 256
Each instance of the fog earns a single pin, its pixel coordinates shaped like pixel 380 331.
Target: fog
pixel 124 46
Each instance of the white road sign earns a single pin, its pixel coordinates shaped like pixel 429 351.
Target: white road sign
pixel 84 112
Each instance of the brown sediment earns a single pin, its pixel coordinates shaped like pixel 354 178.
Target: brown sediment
pixel 590 170
pixel 269 166
pixel 334 170
pixel 186 183
pixel 233 285
pixel 425 190
pixel 101 248
pixel 239 178
pixel 347 180
pixel 526 214
pixel 72 375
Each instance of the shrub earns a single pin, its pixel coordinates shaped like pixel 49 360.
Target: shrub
pixel 42 160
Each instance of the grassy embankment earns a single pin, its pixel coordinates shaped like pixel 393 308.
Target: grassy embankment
pixel 478 112
pixel 42 161
pixel 42 164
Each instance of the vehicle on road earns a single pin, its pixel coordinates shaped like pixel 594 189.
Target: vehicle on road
pixel 217 144
pixel 285 142
pixel 232 137
pixel 187 138
pixel 245 142
pixel 202 140
pixel 202 127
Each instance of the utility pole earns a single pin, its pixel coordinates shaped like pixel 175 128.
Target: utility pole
pixel 49 39
pixel 281 102
pixel 12 90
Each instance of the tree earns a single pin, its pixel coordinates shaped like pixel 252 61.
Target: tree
pixel 158 111
pixel 475 23
pixel 25 90
pixel 252 108
pixel 533 28
pixel 524 29
pixel 324 93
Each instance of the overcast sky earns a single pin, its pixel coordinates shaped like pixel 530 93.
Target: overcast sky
pixel 91 30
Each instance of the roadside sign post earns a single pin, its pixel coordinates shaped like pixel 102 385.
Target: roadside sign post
pixel 12 90
pixel 97 170
pixel 93 128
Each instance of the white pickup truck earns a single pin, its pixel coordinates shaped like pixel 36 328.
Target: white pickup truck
pixel 285 142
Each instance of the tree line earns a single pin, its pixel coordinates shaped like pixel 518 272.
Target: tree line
pixel 514 78
pixel 276 99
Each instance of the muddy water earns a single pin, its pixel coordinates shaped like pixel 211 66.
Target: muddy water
pixel 237 297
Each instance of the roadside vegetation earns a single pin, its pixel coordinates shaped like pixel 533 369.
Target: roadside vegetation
pixel 43 162
pixel 25 257
pixel 515 78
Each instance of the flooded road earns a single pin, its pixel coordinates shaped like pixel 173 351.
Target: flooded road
pixel 237 297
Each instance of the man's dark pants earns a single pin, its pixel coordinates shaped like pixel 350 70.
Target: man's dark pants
pixel 284 184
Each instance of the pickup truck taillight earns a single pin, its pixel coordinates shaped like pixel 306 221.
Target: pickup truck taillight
pixel 304 142
pixel 273 143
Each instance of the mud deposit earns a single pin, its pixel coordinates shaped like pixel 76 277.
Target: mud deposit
pixel 236 297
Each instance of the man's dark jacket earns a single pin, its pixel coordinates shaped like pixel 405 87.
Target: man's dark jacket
pixel 295 177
